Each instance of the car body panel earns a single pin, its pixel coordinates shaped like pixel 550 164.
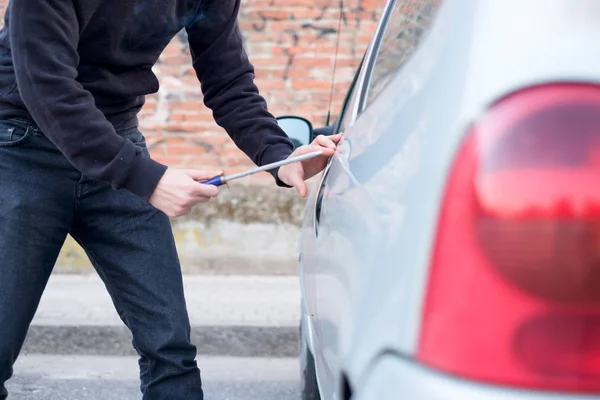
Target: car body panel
pixel 392 374
pixel 367 259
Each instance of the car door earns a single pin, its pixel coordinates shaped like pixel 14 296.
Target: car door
pixel 308 255
pixel 349 217
pixel 327 263
pixel 315 260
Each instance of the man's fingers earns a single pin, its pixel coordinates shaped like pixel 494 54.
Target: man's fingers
pixel 325 141
pixel 200 199
pixel 201 175
pixel 300 186
pixel 197 190
pixel 327 151
pixel 296 180
pixel 204 190
pixel 336 138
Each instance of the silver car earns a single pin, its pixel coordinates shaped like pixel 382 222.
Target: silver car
pixel 451 248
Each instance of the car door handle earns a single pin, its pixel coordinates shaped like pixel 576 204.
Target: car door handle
pixel 318 207
pixel 319 197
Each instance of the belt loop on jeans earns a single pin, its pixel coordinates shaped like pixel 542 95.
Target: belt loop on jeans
pixel 35 129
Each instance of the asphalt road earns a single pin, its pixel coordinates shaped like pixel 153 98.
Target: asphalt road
pixel 47 377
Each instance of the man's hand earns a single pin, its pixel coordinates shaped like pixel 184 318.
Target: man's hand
pixel 295 174
pixel 179 190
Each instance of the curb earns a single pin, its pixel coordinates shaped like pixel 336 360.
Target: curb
pixel 238 341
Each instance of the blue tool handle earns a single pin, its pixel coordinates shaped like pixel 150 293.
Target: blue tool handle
pixel 217 181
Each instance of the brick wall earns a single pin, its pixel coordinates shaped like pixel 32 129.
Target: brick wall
pixel 291 44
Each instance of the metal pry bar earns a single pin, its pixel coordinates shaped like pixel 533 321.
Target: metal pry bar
pixel 221 180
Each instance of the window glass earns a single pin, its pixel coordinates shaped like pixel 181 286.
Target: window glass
pixel 408 23
pixel 347 111
pixel 349 101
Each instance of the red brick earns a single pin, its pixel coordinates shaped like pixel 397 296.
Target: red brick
pixel 311 85
pixel 274 14
pixel 185 150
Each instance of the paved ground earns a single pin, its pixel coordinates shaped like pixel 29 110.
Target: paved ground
pixel 245 328
pixel 230 315
pixel 115 378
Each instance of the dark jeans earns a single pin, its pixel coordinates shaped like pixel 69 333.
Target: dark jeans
pixel 42 199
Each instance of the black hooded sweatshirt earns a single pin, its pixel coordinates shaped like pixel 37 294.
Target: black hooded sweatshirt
pixel 80 69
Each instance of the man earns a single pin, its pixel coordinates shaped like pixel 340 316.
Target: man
pixel 73 76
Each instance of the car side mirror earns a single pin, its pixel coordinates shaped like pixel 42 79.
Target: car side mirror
pixel 298 129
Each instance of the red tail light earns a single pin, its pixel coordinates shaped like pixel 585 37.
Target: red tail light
pixel 514 290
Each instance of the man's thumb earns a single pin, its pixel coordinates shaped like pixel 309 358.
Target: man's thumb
pixel 298 183
pixel 201 175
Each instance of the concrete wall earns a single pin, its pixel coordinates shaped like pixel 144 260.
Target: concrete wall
pixel 292 45
pixel 248 229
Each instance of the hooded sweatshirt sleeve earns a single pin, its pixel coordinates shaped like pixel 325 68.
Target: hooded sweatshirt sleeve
pixel 44 36
pixel 227 80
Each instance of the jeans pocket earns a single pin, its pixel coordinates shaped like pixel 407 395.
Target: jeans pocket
pixel 13 133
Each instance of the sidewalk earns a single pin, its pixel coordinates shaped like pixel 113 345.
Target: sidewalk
pixel 230 315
